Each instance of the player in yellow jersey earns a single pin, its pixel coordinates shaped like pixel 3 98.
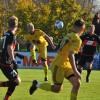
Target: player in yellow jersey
pixel 64 65
pixel 39 40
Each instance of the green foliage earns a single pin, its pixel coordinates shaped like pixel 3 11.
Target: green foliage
pixel 44 15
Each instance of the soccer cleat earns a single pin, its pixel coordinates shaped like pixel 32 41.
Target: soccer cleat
pixel 45 79
pixel 87 79
pixel 34 87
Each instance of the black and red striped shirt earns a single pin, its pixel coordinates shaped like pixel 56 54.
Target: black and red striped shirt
pixel 8 39
pixel 89 44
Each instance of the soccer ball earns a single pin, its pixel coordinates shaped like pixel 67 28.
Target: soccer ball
pixel 59 24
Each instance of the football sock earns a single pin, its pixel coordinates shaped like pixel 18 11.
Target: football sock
pixel 33 54
pixel 88 72
pixel 45 86
pixel 6 97
pixel 46 71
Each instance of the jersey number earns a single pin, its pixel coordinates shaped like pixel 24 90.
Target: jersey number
pixel 4 41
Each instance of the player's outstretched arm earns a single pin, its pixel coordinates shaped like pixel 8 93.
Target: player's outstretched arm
pixel 72 61
pixel 50 40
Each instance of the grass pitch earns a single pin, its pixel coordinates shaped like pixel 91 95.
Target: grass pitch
pixel 88 91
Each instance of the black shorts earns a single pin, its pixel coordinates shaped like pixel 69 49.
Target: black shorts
pixel 84 59
pixel 77 57
pixel 8 71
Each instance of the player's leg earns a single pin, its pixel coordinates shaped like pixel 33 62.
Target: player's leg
pixel 69 75
pixel 11 87
pixel 44 63
pixel 57 77
pixel 89 67
pixel 14 80
pixel 33 53
pixel 81 63
pixel 43 56
pixel 77 57
pixel 75 87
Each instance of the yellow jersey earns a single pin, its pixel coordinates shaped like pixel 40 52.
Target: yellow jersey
pixel 71 42
pixel 37 38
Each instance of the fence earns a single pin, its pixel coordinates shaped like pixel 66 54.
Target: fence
pixel 27 61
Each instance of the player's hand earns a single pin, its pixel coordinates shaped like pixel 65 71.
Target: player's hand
pixel 53 47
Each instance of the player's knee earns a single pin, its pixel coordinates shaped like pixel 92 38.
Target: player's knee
pixel 17 81
pixel 77 84
pixel 56 88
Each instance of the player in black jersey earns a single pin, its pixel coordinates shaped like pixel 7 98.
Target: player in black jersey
pixel 7 61
pixel 88 49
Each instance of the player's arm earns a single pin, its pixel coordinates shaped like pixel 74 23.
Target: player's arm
pixel 50 40
pixel 72 62
pixel 11 52
pixel 10 49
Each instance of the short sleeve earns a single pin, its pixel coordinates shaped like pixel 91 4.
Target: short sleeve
pixel 41 33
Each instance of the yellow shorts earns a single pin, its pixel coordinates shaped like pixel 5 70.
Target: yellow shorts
pixel 42 52
pixel 59 73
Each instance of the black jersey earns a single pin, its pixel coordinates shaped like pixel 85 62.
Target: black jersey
pixel 8 39
pixel 89 43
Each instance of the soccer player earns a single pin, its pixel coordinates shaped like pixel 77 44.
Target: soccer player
pixel 39 40
pixel 64 65
pixel 88 49
pixel 96 22
pixel 7 61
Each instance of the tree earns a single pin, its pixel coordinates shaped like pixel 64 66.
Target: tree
pixel 43 15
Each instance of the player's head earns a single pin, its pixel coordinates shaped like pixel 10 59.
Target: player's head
pixel 84 16
pixel 92 29
pixel 30 27
pixel 97 15
pixel 13 22
pixel 79 26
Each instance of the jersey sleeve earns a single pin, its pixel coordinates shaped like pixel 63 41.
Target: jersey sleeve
pixel 41 33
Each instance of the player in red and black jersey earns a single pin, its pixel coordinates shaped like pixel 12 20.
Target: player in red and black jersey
pixel 88 49
pixel 7 61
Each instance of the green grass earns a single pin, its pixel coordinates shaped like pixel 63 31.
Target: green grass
pixel 88 91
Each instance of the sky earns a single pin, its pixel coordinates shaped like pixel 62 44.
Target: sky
pixel 97 2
